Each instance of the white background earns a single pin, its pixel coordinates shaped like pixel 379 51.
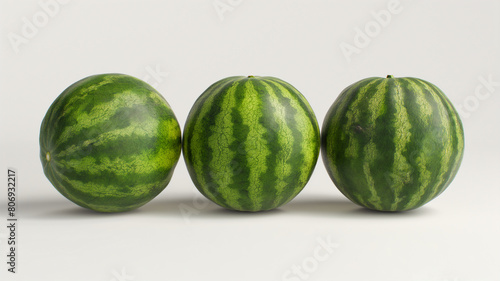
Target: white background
pixel 181 236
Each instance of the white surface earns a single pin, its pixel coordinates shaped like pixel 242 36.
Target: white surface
pixel 449 43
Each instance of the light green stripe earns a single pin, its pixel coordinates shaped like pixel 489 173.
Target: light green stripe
pixel 92 88
pixel 370 152
pixel 424 180
pixel 197 137
pixel 222 155
pixel 284 139
pixel 255 145
pixel 143 163
pixel 337 128
pixel 425 115
pixel 459 149
pixel 346 130
pixel 75 99
pixel 100 113
pixel 146 128
pixel 170 130
pixel 99 190
pixel 458 132
pixel 401 172
pixel 425 108
pixel 309 137
pixel 135 164
pixel 446 148
pixel 57 182
pixel 375 103
pixel 376 109
pixel 352 115
pixel 297 95
pixel 308 131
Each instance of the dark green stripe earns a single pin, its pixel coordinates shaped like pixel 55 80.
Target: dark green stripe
pixel 334 128
pixel 363 133
pixel 123 148
pixel 301 99
pixel 296 159
pixel 433 152
pixel 205 152
pixel 114 175
pixel 122 119
pixel 113 202
pixel 372 155
pixel 455 130
pixel 146 106
pixel 382 134
pixel 241 165
pixel 195 111
pixel 194 151
pixel 271 136
pixel 415 145
pixel 338 130
pixel 333 135
pixel 121 171
pixel 61 107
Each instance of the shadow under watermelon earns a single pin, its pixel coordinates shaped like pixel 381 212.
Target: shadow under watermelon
pixel 184 207
pixel 342 207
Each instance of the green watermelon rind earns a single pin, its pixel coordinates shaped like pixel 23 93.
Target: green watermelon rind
pixel 110 143
pixel 251 143
pixel 392 144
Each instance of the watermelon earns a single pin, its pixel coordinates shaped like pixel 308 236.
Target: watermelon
pixel 110 143
pixel 392 144
pixel 251 143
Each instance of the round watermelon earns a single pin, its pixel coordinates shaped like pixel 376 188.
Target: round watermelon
pixel 110 143
pixel 392 144
pixel 251 143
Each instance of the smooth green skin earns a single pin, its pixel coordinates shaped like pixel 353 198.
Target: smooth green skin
pixel 241 163
pixel 116 174
pixel 393 184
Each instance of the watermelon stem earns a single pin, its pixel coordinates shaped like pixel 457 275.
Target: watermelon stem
pixel 390 76
pixel 250 76
pixel 47 156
